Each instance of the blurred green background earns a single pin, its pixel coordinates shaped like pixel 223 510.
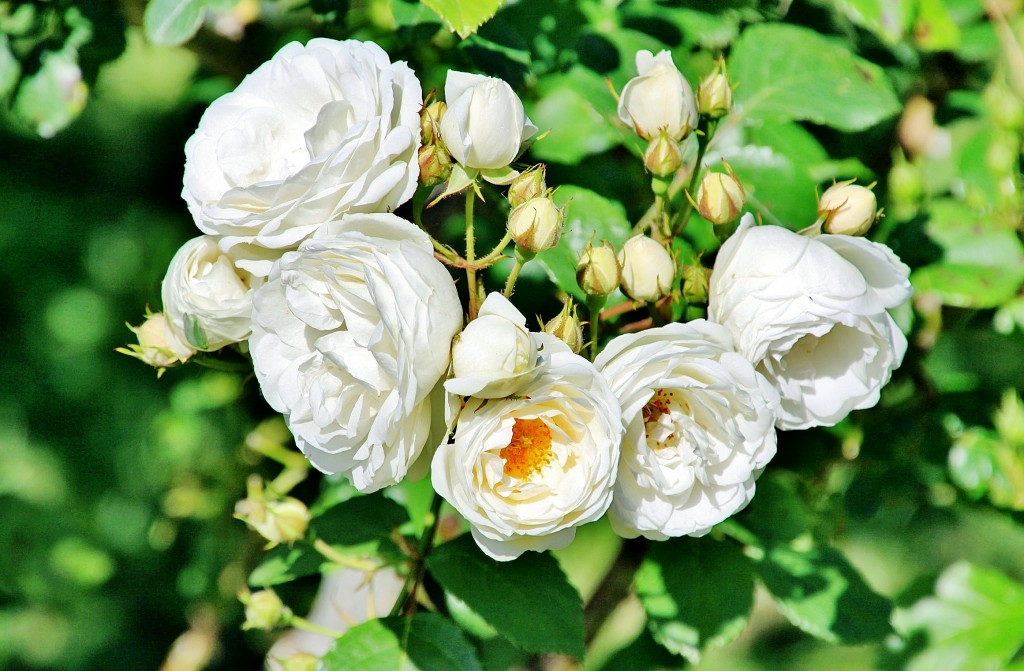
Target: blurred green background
pixel 116 488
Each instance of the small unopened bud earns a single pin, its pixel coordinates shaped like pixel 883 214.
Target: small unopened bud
pixel 566 326
pixel 720 198
pixel 300 661
pixel 714 94
pixel 430 121
pixel 280 521
pixel 663 156
pixel 536 225
pixel 598 272
pixel 648 271
pixel 528 185
pixel 695 283
pixel 264 610
pixel 435 164
pixel 160 345
pixel 847 209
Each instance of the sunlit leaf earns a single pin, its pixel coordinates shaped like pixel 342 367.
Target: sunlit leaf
pixel 464 16
pixel 424 642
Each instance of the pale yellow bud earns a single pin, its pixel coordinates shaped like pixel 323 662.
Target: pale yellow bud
pixel 847 209
pixel 566 326
pixel 598 272
pixel 663 156
pixel 435 164
pixel 282 521
pixel 714 95
pixel 528 185
pixel 648 271
pixel 264 610
pixel 695 284
pixel 536 225
pixel 160 345
pixel 430 121
pixel 720 198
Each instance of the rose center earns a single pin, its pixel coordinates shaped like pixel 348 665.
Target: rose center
pixel 529 450
pixel 659 425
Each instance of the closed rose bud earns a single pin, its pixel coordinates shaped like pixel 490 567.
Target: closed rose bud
pixel 536 225
pixel 566 326
pixel 847 209
pixel 658 98
pixel 714 94
pixel 430 121
pixel 160 345
pixel 648 271
pixel 720 198
pixel 280 521
pixel 529 184
pixel 435 164
pixel 695 283
pixel 663 156
pixel 264 610
pixel 598 272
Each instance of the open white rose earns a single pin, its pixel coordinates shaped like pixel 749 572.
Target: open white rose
pixel 319 130
pixel 659 97
pixel 699 429
pixel 495 355
pixel 485 124
pixel 206 296
pixel 526 471
pixel 810 313
pixel 351 334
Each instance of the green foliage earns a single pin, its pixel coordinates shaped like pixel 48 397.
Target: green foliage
pixel 464 16
pixel 423 642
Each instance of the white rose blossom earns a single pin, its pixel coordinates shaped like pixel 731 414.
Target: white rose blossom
pixel 351 335
pixel 319 130
pixel 495 355
pixel 205 294
pixel 526 471
pixel 811 314
pixel 485 124
pixel 699 424
pixel 658 98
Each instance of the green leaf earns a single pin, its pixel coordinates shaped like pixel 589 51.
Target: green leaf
pixel 788 73
pixel 887 19
pixel 284 564
pixel 697 593
pixel 575 107
pixel 821 593
pixel 644 654
pixel 464 16
pixel 361 519
pixel 424 642
pixel 934 28
pixel 528 601
pixel 172 22
pixel 974 622
pixel 777 513
pixel 589 216
pixel 194 332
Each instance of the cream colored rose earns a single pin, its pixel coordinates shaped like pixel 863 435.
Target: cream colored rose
pixel 699 429
pixel 658 98
pixel 351 335
pixel 810 314
pixel 319 130
pixel 206 297
pixel 648 271
pixel 526 471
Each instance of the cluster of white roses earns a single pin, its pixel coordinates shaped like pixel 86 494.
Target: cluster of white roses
pixel 355 328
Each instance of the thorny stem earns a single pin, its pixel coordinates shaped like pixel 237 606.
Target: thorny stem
pixel 406 601
pixel 474 296
pixel 513 276
pixel 703 140
pixel 594 305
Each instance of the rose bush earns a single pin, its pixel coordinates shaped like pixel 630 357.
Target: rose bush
pixel 319 130
pixel 811 314
pixel 351 333
pixel 526 471
pixel 699 423
pixel 206 296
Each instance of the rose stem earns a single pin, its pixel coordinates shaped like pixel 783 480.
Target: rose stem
pixel 705 131
pixel 474 296
pixel 614 586
pixel 406 601
pixel 594 305
pixel 510 284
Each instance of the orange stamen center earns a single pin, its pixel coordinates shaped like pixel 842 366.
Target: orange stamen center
pixel 529 450
pixel 659 405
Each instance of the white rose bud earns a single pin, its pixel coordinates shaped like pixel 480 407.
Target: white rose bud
pixel 847 209
pixel 699 426
pixel 351 334
pixel 659 98
pixel 526 471
pixel 714 94
pixel 566 326
pixel 663 156
pixel 264 610
pixel 495 355
pixel 598 271
pixel 160 345
pixel 720 198
pixel 485 124
pixel 811 315
pixel 206 297
pixel 648 271
pixel 527 185
pixel 318 131
pixel 536 225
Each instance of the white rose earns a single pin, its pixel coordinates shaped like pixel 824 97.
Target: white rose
pixel 206 296
pixel 526 471
pixel 648 271
pixel 485 124
pixel 810 313
pixel 494 355
pixel 317 131
pixel 658 98
pixel 699 429
pixel 351 334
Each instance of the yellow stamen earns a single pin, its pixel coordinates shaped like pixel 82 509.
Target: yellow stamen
pixel 529 450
